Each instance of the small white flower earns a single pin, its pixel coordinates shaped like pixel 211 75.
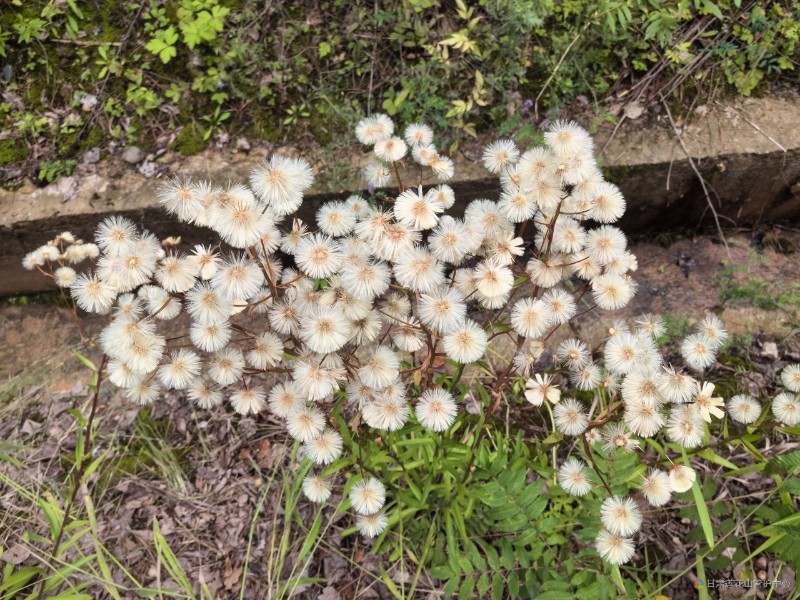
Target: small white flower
pixel 531 317
pixel 284 399
pixel 280 183
pixel 612 292
pixel 574 353
pixel 685 429
pixel 204 395
pixel 617 437
pixel 318 256
pixel 144 392
pixel 336 219
pixel 64 276
pixel 676 386
pixel 607 202
pixel 681 478
pixel 540 389
pixel 419 270
pixel 567 138
pixel 315 378
pixel 443 309
pixel 205 261
pixel 181 370
pixel 116 235
pixel 374 129
pixel 377 174
pixel 267 351
pixel 707 404
pixel 237 277
pixel 93 295
pixel 380 369
pixel 443 167
pixel 493 278
pixel 226 366
pixel 324 329
pixel 714 329
pixel 385 411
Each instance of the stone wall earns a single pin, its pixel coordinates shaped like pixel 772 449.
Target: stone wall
pixel 748 153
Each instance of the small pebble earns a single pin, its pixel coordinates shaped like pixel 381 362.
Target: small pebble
pixel 132 155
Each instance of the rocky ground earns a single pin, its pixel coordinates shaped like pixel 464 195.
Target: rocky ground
pixel 219 484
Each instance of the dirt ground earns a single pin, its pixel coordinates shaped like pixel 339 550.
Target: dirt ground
pixel 213 480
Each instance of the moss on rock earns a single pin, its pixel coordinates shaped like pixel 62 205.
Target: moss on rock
pixel 189 141
pixel 12 151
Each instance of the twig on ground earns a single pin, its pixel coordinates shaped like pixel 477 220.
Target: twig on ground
pixel 679 137
pixel 757 128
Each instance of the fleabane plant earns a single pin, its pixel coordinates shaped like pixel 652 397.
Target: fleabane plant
pixel 363 322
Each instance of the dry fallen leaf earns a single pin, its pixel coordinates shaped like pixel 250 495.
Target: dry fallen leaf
pixel 634 110
pixel 16 554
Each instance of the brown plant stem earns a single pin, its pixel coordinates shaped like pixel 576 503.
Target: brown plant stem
pixel 589 455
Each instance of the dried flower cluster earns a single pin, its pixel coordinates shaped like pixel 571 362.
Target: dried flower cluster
pixel 356 314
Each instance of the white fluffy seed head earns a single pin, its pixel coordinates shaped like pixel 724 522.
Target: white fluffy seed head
pixel 305 423
pixel 181 370
pixel 248 400
pixel 790 377
pixel 416 210
pixel 573 476
pixel 284 399
pixel 325 448
pixel 280 183
pixel 656 487
pixel 466 343
pixel 436 409
pixel 681 478
pixel 418 134
pixel 500 155
pixel 372 525
pixel 699 351
pixel 613 548
pixel 367 496
pixel 743 408
pixel 570 417
pixel 531 317
pixel 316 488
pixel 786 408
pixel 621 516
